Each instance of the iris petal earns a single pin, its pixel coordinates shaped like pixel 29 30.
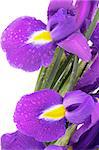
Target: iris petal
pixel 95 38
pixel 54 113
pixel 18 141
pixel 19 31
pixel 57 4
pixel 22 54
pixel 89 140
pixel 81 9
pixel 61 25
pixel 28 111
pixel 83 111
pixel 89 123
pixel 90 79
pixel 77 44
pixel 31 57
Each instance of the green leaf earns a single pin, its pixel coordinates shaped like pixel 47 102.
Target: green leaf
pixel 40 78
pixel 52 69
pixel 70 82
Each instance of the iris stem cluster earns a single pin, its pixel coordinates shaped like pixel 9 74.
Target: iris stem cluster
pixel 63 74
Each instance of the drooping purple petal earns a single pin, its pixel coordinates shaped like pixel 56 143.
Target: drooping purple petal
pixel 89 140
pixel 85 106
pixel 54 147
pixel 77 44
pixel 19 31
pixel 30 57
pixel 22 54
pixel 27 113
pixel 18 141
pixel 90 79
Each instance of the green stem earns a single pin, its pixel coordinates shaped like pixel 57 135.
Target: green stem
pixel 81 68
pixel 52 70
pixel 69 83
pixel 61 69
pixel 40 78
pixel 62 76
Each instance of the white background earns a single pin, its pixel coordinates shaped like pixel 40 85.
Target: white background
pixel 14 82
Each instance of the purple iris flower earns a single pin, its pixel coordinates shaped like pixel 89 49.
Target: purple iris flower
pixel 42 115
pixel 54 147
pixel 30 44
pixel 87 136
pixel 68 25
pixel 18 141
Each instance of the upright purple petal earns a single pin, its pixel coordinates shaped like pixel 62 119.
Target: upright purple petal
pixel 54 147
pixel 77 44
pixel 89 19
pixel 61 25
pixel 20 52
pixel 55 5
pixel 85 105
pixel 80 9
pixel 18 141
pixel 27 113
pixel 83 8
pixel 90 79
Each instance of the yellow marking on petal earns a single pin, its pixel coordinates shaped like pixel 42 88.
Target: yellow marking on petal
pixel 44 35
pixel 55 113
